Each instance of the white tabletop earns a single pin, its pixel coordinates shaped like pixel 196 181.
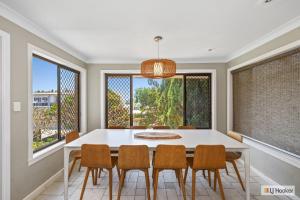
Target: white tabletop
pixel 190 139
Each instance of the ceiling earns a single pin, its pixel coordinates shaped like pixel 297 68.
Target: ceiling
pixel 111 31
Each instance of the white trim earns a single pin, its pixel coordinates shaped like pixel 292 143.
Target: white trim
pixel 279 31
pixel 28 25
pixel 33 158
pixel 34 194
pixel 178 61
pixel 274 151
pixel 213 72
pixel 5 123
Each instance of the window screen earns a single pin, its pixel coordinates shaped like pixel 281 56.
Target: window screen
pixel 266 101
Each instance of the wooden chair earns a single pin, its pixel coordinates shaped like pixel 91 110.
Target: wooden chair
pixel 161 127
pixel 186 127
pixel 233 156
pixel 138 127
pixel 170 157
pixel 210 157
pixel 133 157
pixel 116 127
pixel 76 154
pixel 96 157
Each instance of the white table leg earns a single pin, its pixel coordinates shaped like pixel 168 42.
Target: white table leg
pixel 66 171
pixel 247 172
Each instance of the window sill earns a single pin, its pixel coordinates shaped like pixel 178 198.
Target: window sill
pixel 47 151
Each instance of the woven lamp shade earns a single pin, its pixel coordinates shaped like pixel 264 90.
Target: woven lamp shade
pixel 158 68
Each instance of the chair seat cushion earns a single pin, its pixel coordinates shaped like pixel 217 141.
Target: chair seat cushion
pixel 233 155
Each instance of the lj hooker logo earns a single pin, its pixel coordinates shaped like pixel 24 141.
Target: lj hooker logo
pixel 278 190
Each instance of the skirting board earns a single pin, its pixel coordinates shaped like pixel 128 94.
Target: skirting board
pixel 34 194
pixel 262 175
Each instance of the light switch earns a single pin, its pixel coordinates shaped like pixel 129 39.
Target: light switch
pixel 17 106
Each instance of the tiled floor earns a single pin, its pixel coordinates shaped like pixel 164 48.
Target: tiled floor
pixel 134 188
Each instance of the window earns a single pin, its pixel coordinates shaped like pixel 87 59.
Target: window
pixel 266 98
pixel 55 94
pixel 184 99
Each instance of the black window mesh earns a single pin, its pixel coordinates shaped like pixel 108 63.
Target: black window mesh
pixel 118 101
pixel 69 101
pixel 198 101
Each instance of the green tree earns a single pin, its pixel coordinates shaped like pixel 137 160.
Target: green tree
pixel 117 111
pixel 146 99
pixel 161 104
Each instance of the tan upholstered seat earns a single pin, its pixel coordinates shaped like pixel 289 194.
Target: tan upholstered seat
pixel 116 127
pixel 76 154
pixel 138 127
pixel 169 157
pixel 186 127
pixel 210 157
pixel 134 157
pixel 161 127
pixel 233 156
pixel 96 157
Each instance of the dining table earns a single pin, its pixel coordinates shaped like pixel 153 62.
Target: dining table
pixel 190 138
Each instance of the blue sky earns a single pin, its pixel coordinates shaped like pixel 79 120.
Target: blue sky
pixel 44 75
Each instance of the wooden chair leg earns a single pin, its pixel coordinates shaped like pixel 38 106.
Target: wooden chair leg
pixel 177 176
pixel 193 184
pixel 96 176
pixel 79 168
pixel 121 183
pixel 155 183
pixel 203 173
pixel 110 183
pixel 226 169
pixel 93 176
pixel 185 174
pixel 220 184
pixel 182 184
pixel 99 174
pixel 84 182
pixel 118 171
pixel 215 180
pixel 209 180
pixel 238 174
pixel 72 167
pixel 147 183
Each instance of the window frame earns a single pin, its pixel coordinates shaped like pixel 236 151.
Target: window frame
pixel 35 156
pixel 187 71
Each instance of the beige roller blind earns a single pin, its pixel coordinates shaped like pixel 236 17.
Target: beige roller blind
pixel 266 101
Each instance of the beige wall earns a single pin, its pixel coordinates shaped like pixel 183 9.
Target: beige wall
pixel 24 178
pixel 94 89
pixel 285 39
pixel 279 171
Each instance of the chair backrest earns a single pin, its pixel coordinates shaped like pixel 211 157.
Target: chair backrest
pixel 116 127
pixel 138 127
pixel 133 157
pixel 96 156
pixel 72 136
pixel 235 136
pixel 186 127
pixel 161 127
pixel 209 157
pixel 170 157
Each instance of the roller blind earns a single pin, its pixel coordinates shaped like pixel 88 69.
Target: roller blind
pixel 266 101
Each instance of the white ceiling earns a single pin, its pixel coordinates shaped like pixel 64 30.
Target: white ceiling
pixel 111 31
